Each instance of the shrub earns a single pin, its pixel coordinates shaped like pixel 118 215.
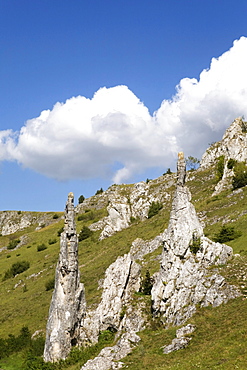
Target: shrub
pixel 226 234
pixel 52 241
pixel 154 209
pixel 220 167
pixel 195 244
pixel 41 247
pixel 100 191
pixel 84 233
pixel 240 175
pixel 168 172
pixel 231 163
pixel 16 268
pixel 59 232
pixel 146 284
pixel 13 243
pixel 244 126
pixel 49 285
pixel 55 216
pixel 81 199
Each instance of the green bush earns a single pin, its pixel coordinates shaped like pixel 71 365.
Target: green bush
pixel 41 247
pixel 84 233
pixel 240 175
pixel 220 167
pixel 55 216
pixel 146 284
pixel 168 172
pixel 100 191
pixel 231 163
pixel 49 285
pixel 154 209
pixel 52 241
pixel 226 234
pixel 13 243
pixel 59 232
pixel 16 268
pixel 81 199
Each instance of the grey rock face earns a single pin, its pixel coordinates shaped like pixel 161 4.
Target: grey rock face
pixel 184 279
pixel 233 145
pixel 122 278
pixel 68 301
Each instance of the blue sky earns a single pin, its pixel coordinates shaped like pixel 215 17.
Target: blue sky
pixel 111 69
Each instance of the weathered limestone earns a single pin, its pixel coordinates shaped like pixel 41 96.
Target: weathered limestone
pixel 184 279
pixel 122 278
pixel 232 146
pixel 68 301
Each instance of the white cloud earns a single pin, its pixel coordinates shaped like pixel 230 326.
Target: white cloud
pixel 84 138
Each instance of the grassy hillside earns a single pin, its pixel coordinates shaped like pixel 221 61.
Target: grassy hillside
pixel 220 339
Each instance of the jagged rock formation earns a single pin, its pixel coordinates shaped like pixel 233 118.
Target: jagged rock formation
pixel 68 301
pixel 184 279
pixel 232 146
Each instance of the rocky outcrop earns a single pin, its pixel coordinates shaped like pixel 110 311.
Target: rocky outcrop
pixel 109 355
pixel 12 221
pixel 184 280
pixel 122 278
pixel 68 303
pixel 130 203
pixel 232 146
pixel 182 340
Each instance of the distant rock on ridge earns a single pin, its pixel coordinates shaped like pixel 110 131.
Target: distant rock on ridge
pixel 68 303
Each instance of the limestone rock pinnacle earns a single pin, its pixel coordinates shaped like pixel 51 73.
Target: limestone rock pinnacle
pixel 68 301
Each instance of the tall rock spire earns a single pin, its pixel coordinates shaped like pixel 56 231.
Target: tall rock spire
pixel 68 301
pixel 184 279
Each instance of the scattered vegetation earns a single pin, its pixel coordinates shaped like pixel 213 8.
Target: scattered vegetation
pixel 154 209
pixel 226 234
pixel 55 216
pixel 231 163
pixel 16 268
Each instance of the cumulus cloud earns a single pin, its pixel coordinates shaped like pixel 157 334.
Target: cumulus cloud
pixel 114 135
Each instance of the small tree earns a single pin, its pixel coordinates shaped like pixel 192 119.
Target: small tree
pixel 240 175
pixel 146 285
pixel 192 163
pixel 154 209
pixel 81 199
pixel 100 191
pixel 220 167
pixel 226 234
